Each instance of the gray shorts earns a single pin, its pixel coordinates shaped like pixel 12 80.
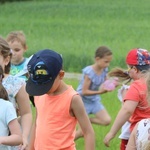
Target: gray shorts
pixel 93 107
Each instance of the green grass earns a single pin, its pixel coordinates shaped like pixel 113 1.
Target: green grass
pixel 76 28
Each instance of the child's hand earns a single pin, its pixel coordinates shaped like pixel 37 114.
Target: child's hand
pixel 103 89
pixel 108 138
pixel 24 145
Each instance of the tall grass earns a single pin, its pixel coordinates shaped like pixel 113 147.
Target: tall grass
pixel 76 28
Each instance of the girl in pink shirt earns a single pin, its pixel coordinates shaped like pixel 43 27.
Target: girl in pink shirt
pixel 140 136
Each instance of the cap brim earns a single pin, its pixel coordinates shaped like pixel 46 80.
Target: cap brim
pixel 34 89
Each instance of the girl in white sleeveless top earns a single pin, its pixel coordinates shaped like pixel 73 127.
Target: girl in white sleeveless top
pixel 140 136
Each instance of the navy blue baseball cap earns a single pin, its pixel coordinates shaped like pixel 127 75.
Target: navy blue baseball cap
pixel 43 68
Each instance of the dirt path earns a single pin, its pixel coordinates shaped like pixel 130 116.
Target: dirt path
pixel 73 75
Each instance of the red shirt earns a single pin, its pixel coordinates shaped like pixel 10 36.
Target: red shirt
pixel 138 92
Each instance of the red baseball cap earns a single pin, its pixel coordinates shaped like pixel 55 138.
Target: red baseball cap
pixel 138 56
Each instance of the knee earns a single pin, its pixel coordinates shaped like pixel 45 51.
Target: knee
pixel 107 121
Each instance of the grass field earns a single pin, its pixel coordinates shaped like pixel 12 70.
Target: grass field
pixel 75 28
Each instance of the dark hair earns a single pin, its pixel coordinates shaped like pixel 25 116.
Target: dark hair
pixel 102 51
pixel 5 51
pixel 142 67
pixel 3 92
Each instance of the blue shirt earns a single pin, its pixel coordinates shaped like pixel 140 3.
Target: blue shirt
pixel 96 81
pixel 16 69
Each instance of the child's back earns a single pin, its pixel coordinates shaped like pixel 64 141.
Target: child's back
pixel 8 120
pixel 16 92
pixel 7 112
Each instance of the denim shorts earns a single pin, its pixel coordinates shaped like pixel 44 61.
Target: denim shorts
pixel 92 107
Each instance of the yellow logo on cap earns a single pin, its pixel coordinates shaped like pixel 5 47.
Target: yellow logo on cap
pixel 41 72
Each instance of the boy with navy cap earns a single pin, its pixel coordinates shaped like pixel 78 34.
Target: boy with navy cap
pixel 58 106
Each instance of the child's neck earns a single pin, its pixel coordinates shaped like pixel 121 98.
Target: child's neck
pixel 19 62
pixel 61 89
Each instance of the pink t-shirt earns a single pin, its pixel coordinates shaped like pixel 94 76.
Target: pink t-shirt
pixel 55 127
pixel 137 92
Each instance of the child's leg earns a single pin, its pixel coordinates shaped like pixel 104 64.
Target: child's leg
pixel 102 118
pixel 123 144
pixel 101 115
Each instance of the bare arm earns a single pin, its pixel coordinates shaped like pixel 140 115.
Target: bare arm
pixel 25 113
pixel 32 135
pixel 132 143
pixel 123 116
pixel 78 109
pixel 15 138
pixel 86 88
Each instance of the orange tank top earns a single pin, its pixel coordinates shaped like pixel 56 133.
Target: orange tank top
pixel 55 127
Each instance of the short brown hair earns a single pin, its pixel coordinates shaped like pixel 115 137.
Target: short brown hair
pixel 17 36
pixel 102 51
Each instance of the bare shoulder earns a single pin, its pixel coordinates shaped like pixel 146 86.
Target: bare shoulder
pixel 76 103
pixel 76 98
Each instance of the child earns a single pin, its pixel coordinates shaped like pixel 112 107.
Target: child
pixel 15 88
pixel 135 106
pixel 58 105
pixel 140 136
pixel 89 87
pixel 17 43
pixel 8 120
